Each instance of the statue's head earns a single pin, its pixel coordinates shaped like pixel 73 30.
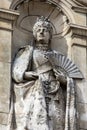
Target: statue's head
pixel 42 30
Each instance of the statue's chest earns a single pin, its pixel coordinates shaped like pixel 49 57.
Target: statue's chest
pixel 39 57
pixel 40 63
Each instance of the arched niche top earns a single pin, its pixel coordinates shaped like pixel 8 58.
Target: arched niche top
pixel 29 10
pixel 60 4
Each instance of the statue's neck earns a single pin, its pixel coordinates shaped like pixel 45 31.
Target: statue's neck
pixel 42 46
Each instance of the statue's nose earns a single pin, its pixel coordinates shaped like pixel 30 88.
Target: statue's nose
pixel 41 31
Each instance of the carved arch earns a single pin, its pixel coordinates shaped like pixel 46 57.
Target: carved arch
pixel 61 4
pixel 61 17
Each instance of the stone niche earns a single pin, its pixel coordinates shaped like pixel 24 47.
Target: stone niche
pixel 68 39
pixel 22 34
pixel 63 36
pixel 29 11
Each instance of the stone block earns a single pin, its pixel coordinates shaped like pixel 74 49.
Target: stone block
pixel 82 91
pixel 5 83
pixel 82 129
pixel 56 45
pixel 3 127
pixel 5 46
pixel 3 118
pixel 80 18
pixel 5 4
pixel 82 108
pixel 5 24
pixel 79 57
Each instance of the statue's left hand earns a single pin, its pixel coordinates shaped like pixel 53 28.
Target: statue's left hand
pixel 60 76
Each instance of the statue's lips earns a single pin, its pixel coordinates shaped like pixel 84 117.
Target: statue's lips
pixel 41 36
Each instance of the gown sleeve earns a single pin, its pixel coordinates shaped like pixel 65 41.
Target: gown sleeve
pixel 21 62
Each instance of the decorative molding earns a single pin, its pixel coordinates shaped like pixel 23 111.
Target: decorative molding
pixel 61 5
pixel 6 29
pixel 79 9
pixel 76 2
pixel 84 2
pixel 75 44
pixel 15 3
pixel 78 30
pixel 8 14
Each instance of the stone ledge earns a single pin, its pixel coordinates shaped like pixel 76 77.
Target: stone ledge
pixel 6 29
pixel 79 9
pixel 78 30
pixel 82 1
pixel 8 14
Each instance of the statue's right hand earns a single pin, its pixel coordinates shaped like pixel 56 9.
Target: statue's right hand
pixel 30 75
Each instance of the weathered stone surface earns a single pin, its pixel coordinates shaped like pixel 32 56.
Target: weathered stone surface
pixel 5 83
pixel 3 118
pixel 83 2
pixel 5 45
pixel 5 4
pixel 77 52
pixel 80 18
pixel 82 91
pixel 82 108
pixel 6 22
pixel 79 56
pixel 3 127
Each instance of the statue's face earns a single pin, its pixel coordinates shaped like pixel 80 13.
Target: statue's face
pixel 42 34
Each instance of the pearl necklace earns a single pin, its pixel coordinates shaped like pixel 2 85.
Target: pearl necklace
pixel 42 48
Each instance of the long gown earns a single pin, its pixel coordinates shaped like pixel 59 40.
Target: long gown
pixel 43 103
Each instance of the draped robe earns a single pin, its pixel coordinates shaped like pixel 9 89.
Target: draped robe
pixel 44 106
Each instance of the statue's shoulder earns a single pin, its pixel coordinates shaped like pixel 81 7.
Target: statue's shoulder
pixel 21 62
pixel 57 52
pixel 54 52
pixel 24 49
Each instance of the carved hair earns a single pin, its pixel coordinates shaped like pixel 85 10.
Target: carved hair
pixel 42 21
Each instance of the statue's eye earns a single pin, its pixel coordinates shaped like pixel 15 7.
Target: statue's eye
pixel 45 30
pixel 38 30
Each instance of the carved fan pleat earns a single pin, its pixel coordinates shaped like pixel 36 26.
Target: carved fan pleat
pixel 62 61
pixel 70 65
pixel 64 64
pixel 72 68
pixel 67 65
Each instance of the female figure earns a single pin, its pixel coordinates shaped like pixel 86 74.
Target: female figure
pixel 43 100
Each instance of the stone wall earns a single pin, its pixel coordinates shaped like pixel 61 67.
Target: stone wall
pixel 6 28
pixel 70 21
pixel 5 4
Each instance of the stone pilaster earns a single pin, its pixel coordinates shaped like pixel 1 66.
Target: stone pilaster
pixel 79 56
pixel 7 19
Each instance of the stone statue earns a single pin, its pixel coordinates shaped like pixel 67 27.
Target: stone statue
pixel 45 79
